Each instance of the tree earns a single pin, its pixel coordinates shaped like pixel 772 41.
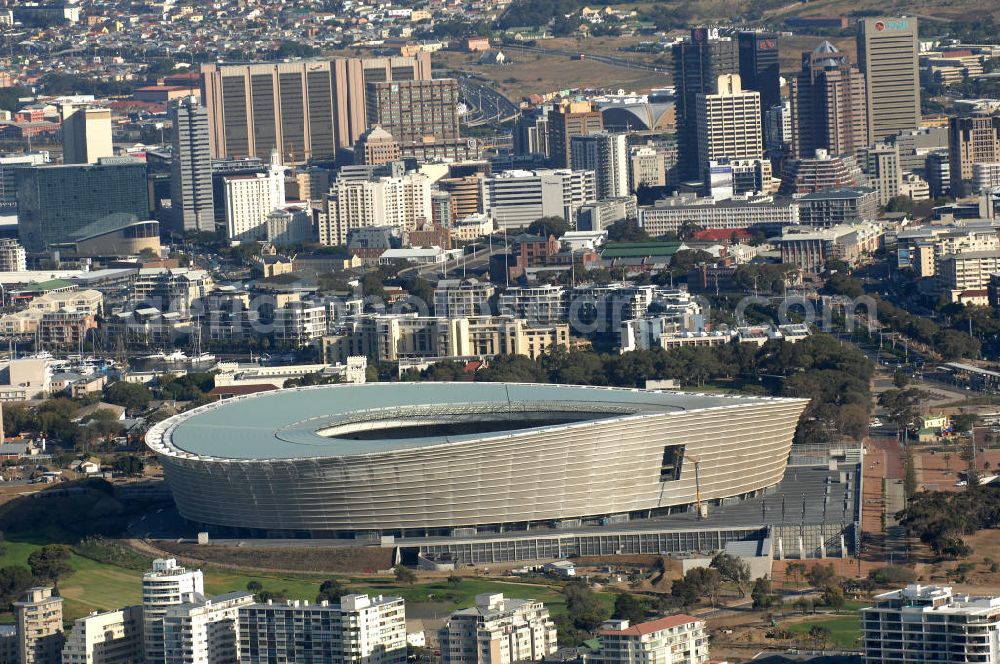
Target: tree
pixel 546 226
pixel 332 590
pixel 404 575
pixel 901 405
pixel 628 607
pixel 14 580
pixel 761 594
pixel 254 586
pixel 584 607
pixel 900 379
pixel 819 634
pixel 129 465
pixel 454 580
pixel 50 562
pixel 628 230
pixel 734 570
pixel 822 576
pixel 796 570
pixel 833 597
pixel 698 582
pixel 909 473
pixel 133 396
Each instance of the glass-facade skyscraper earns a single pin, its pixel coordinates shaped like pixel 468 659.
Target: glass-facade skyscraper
pixel 54 201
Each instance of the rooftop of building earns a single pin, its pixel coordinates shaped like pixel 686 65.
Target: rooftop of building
pixel 660 624
pixel 336 420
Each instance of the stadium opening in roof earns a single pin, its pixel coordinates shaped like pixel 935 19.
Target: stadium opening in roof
pixel 428 458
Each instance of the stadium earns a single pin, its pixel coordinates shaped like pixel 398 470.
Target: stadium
pixel 424 459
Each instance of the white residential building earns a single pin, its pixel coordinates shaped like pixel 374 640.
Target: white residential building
pixel 498 631
pixel 249 199
pixel 388 201
pixel 12 258
pixel 516 198
pixel 885 173
pixel 299 323
pixel 923 247
pixel 679 639
pixel 359 630
pixel 969 270
pixel 460 298
pixel 668 214
pixel 606 154
pixel 647 166
pixel 204 630
pixel 931 624
pixel 108 637
pixel 538 304
pixel 166 585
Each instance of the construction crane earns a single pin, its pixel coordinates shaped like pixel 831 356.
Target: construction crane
pixel 697 483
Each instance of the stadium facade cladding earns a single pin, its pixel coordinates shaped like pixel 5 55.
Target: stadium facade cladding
pixel 419 459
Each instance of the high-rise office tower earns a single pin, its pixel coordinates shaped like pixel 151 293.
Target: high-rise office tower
pixel 566 120
pixel 606 154
pixel 887 56
pixel 885 173
pixel 698 63
pixel 166 585
pixel 256 108
pixel 759 71
pixel 55 201
pixel 728 123
pixel 937 165
pixel 306 109
pixel 86 134
pixel 39 627
pixel 192 205
pixel 827 103
pixel 972 139
pixel 350 79
pixel 421 115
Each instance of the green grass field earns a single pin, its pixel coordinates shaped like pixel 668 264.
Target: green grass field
pixel 845 630
pixel 96 586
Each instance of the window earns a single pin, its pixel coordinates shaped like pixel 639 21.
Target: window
pixel 673 459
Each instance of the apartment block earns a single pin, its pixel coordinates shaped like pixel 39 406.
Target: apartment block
pixel 667 215
pixel 539 304
pixel 885 173
pixel 402 202
pixel 204 630
pixel 359 630
pixel 459 298
pixel 679 639
pixel 832 207
pixel 498 630
pixel 930 624
pixel 108 637
pixel 422 116
pixel 166 585
pixel 389 338
pixel 249 199
pixel 12 256
pixel 968 270
pixel 606 154
pixel 39 619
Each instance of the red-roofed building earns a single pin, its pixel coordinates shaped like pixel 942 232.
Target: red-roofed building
pixel 721 235
pixel 679 639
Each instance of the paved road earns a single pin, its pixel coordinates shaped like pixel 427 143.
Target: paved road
pixel 614 61
pixel 486 105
